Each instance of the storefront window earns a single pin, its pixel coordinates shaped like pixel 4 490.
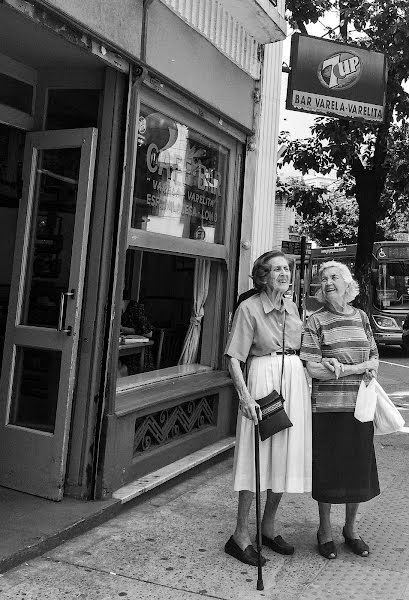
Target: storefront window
pixel 17 94
pixel 180 180
pixel 164 313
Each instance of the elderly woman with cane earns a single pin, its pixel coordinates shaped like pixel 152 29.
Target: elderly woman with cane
pixel 256 338
pixel 339 350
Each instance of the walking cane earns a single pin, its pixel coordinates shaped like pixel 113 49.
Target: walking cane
pixel 260 584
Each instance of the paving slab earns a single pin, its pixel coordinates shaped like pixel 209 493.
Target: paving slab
pixel 31 525
pixel 186 552
pixel 170 545
pixel 179 539
pixel 47 580
pixel 342 580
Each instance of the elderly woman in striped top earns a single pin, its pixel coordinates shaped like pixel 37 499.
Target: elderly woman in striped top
pixel 339 351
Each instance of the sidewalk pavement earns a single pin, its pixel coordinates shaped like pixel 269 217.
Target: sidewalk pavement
pixel 170 546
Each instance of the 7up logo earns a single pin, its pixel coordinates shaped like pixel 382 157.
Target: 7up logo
pixel 340 71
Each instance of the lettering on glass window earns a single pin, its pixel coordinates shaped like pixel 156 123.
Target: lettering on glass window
pixel 180 180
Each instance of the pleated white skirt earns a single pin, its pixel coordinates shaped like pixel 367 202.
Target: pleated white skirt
pixel 286 457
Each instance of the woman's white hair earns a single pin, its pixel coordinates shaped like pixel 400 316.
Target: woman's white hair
pixel 352 290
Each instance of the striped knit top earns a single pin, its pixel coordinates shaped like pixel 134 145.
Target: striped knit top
pixel 330 334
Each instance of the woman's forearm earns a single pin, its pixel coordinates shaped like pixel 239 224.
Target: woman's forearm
pixel 238 380
pixel 359 368
pixel 249 408
pixel 319 371
pixel 324 373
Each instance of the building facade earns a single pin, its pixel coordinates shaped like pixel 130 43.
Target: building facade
pixel 137 144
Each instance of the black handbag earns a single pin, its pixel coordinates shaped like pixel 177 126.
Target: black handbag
pixel 274 417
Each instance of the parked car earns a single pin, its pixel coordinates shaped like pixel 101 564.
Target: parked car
pixel 405 334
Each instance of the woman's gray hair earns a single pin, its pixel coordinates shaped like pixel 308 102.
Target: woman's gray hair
pixel 262 268
pixel 352 290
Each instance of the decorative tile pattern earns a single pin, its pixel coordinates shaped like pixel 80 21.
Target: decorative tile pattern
pixel 164 426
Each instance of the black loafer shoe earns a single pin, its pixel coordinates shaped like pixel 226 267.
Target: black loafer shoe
pixel 247 556
pixel 278 545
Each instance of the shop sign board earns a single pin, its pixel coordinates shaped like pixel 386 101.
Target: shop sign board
pixel 289 247
pixel 336 79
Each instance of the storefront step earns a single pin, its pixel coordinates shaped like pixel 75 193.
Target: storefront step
pixel 156 478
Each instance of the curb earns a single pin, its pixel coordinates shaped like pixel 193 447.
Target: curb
pixel 52 541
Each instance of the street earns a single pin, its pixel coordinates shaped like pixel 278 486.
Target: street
pixel 394 374
pixel 170 545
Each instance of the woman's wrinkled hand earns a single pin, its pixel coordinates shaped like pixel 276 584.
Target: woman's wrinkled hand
pixel 250 409
pixel 371 367
pixel 333 365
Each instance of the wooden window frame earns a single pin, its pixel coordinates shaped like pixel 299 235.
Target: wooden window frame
pixel 208 357
pixel 138 239
pixel 20 72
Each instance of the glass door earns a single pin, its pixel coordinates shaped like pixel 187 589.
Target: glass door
pixel 42 331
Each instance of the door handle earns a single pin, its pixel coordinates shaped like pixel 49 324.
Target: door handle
pixel 63 298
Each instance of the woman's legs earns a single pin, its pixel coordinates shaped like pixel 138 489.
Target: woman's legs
pixel 352 539
pixel 351 509
pixel 241 534
pixel 270 510
pixel 324 530
pixel 326 546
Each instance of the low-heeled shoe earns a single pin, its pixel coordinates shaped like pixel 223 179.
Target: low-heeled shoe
pixel 357 545
pixel 277 544
pixel 247 556
pixel 327 549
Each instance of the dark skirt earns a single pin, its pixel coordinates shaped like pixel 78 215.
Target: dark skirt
pixel 343 459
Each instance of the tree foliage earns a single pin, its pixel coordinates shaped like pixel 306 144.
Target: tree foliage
pixel 301 13
pixel 373 158
pixel 325 215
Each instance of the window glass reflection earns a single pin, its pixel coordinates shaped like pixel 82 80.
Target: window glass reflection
pixel 180 180
pixel 35 388
pixel 11 165
pixel 156 311
pixel 54 206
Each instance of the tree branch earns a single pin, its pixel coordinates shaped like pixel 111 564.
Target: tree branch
pixel 357 168
pixel 301 26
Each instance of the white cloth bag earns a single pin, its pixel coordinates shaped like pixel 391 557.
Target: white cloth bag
pixel 366 402
pixel 387 418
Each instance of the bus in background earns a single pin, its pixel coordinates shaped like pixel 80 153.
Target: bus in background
pixel 389 289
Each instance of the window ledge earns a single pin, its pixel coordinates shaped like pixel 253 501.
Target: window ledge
pixel 131 382
pixel 163 392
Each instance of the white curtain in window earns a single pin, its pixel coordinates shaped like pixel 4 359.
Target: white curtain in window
pixel 200 291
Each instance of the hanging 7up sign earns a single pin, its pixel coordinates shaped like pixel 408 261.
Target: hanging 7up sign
pixel 336 80
pixel 340 71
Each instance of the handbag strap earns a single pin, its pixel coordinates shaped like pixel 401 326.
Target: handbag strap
pixel 282 362
pixel 245 369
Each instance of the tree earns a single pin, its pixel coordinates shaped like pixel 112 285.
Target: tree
pixel 301 13
pixel 325 215
pixel 374 157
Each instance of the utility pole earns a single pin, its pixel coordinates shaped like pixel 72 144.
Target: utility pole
pixel 301 303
